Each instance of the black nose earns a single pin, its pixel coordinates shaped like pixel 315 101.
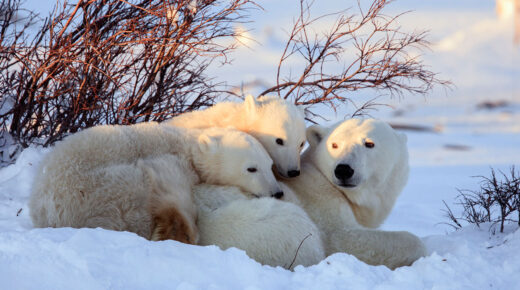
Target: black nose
pixel 293 173
pixel 278 195
pixel 343 171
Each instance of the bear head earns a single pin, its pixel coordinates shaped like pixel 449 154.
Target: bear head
pixel 233 158
pixel 280 127
pixel 367 160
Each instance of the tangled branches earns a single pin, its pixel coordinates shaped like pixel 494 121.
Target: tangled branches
pixel 109 62
pixel 381 57
pixel 128 61
pixel 495 194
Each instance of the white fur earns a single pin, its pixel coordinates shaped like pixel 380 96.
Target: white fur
pixel 344 211
pixel 266 119
pixel 118 177
pixel 272 232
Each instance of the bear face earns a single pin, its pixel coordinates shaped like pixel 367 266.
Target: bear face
pixel 365 159
pixel 280 128
pixel 355 151
pixel 353 174
pixel 231 157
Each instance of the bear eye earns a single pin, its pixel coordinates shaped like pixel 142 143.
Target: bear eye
pixel 279 141
pixel 303 143
pixel 251 169
pixel 369 144
pixel 334 145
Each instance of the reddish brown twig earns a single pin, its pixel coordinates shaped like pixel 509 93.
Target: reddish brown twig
pixel 381 58
pixel 109 62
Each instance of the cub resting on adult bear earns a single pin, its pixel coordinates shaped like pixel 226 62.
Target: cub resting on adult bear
pixel 276 123
pixel 140 177
pixel 352 174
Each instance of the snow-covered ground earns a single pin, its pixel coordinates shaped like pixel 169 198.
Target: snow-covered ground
pixel 472 47
pixel 99 259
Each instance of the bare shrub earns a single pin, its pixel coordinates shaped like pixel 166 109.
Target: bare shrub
pixel 127 61
pixel 497 200
pixel 109 62
pixel 371 47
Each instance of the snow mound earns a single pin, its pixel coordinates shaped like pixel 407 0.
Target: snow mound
pixel 67 258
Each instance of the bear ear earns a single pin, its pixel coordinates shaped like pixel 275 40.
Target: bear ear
pixel 250 104
pixel 315 134
pixel 206 143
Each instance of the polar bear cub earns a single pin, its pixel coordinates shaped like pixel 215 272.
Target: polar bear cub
pixel 278 124
pixel 140 177
pixel 352 174
pixel 270 231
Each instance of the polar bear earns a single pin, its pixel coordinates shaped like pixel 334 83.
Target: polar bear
pixel 140 177
pixel 270 231
pixel 278 124
pixel 352 174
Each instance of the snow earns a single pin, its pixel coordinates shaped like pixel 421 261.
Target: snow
pixel 466 141
pixel 470 258
pixel 68 258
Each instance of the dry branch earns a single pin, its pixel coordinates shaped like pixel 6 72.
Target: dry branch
pixel 496 202
pixel 381 58
pixel 109 62
pixel 127 61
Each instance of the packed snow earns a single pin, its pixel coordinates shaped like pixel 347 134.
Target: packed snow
pixel 68 258
pixel 471 258
pixel 462 138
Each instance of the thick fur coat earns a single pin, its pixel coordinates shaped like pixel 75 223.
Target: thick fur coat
pixel 270 231
pixel 352 174
pixel 139 178
pixel 276 123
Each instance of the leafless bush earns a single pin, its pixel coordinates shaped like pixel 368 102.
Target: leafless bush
pixel 495 202
pixel 126 61
pixel 109 62
pixel 381 58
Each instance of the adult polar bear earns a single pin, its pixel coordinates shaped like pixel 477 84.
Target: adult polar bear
pixel 138 178
pixel 276 123
pixel 352 174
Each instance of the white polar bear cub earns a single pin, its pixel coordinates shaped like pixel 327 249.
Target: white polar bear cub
pixel 352 174
pixel 278 124
pixel 139 178
pixel 270 231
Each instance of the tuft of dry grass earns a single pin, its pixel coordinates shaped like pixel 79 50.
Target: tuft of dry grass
pixel 497 201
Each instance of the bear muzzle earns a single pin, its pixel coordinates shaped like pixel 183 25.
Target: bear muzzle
pixel 344 173
pixel 278 195
pixel 293 173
